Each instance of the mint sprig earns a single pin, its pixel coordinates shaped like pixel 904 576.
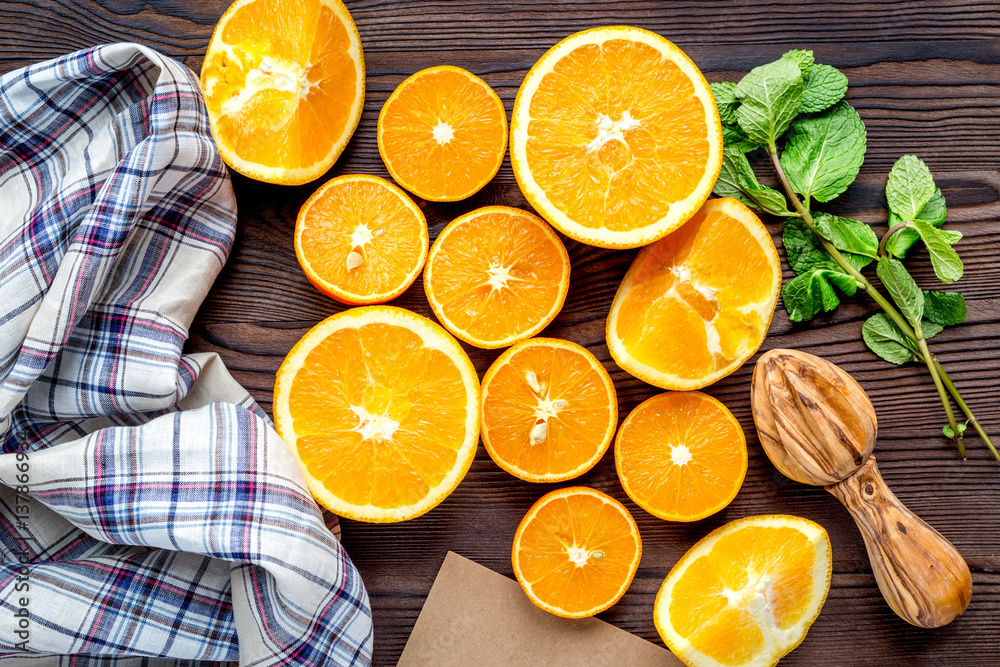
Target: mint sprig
pixel 815 141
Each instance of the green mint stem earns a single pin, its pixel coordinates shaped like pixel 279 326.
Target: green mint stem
pixel 964 407
pixel 929 359
pixel 863 283
pixel 876 296
pixel 885 239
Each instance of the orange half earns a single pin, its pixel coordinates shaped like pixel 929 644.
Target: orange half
pixel 284 84
pixel 381 406
pixel 681 456
pixel 746 594
pixel 615 137
pixel 576 552
pixel 442 133
pixel 549 410
pixel 697 304
pixel 496 275
pixel 361 240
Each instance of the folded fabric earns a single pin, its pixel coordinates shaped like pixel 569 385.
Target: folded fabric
pixel 147 506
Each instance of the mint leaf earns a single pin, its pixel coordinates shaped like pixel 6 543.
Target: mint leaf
pixel 725 99
pixel 733 136
pixel 944 308
pixel 902 288
pixel 888 341
pixel 848 235
pixel 823 153
pixel 948 433
pixel 910 187
pixel 810 293
pixel 804 251
pixel 947 265
pixel 737 180
pixel 769 96
pixel 823 87
pixel 804 59
pixel 885 339
pixel 934 213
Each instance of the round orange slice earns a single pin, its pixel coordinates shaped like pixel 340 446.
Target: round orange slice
pixel 361 240
pixel 696 305
pixel 615 137
pixel 284 83
pixel 576 552
pixel 549 410
pixel 681 456
pixel 746 594
pixel 442 133
pixel 496 275
pixel 381 406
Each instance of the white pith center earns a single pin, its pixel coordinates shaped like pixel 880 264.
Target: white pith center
pixel 498 277
pixel 374 427
pixel 757 597
pixel 361 236
pixel 579 556
pixel 443 133
pixel 680 455
pixel 545 408
pixel 610 130
pixel 271 74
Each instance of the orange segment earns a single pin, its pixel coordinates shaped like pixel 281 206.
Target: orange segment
pixel 681 456
pixel 549 410
pixel 284 83
pixel 381 407
pixel 697 304
pixel 496 275
pixel 747 593
pixel 615 137
pixel 443 133
pixel 361 240
pixel 576 551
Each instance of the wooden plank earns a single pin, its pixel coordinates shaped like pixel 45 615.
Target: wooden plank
pixel 925 77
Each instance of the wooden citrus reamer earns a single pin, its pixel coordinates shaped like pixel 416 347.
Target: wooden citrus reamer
pixel 818 427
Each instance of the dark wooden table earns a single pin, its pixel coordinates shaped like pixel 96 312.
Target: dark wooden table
pixel 925 78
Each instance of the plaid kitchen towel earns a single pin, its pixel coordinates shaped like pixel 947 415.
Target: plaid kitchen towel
pixel 149 514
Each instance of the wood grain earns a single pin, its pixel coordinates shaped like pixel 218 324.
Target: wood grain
pixel 925 78
pixel 814 421
pixel 921 575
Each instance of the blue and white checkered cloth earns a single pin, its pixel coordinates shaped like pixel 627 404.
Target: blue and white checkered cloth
pixel 147 507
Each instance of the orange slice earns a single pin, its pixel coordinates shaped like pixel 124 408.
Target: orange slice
pixel 496 275
pixel 615 137
pixel 549 410
pixel 284 83
pixel 381 406
pixel 681 456
pixel 443 133
pixel 696 305
pixel 361 240
pixel 576 551
pixel 747 593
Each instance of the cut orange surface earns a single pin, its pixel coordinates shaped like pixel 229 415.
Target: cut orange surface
pixel 381 406
pixel 284 83
pixel 615 137
pixel 747 593
pixel 681 456
pixel 576 551
pixel 696 305
pixel 549 410
pixel 361 240
pixel 442 133
pixel 496 275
